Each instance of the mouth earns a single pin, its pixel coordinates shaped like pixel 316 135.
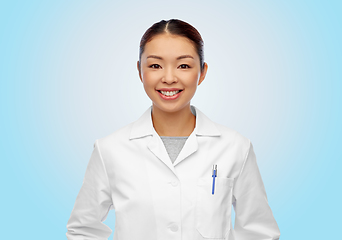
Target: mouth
pixel 169 93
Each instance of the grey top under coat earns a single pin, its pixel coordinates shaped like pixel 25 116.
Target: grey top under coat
pixel 175 144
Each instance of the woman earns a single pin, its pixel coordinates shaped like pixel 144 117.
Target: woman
pixel 173 173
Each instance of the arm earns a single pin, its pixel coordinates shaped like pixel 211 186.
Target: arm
pixel 92 204
pixel 253 216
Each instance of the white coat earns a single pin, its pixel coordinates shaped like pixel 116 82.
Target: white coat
pixel 154 199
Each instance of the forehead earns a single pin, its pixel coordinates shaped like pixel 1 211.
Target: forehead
pixel 167 44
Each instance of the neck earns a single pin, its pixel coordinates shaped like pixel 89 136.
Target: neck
pixel 179 123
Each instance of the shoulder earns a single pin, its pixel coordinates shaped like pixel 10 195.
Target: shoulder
pixel 233 139
pixel 115 138
pixel 229 137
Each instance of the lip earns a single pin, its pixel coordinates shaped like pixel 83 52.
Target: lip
pixel 169 89
pixel 170 98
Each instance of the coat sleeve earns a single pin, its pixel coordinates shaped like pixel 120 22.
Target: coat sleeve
pixel 253 216
pixel 92 204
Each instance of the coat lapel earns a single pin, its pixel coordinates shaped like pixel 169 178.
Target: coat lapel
pixel 157 147
pixel 144 127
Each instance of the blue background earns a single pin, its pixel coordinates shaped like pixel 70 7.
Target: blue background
pixel 68 77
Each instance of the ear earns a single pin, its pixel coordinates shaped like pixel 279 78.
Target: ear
pixel 139 71
pixel 203 73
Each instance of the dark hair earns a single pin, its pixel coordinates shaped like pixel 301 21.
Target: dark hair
pixel 174 27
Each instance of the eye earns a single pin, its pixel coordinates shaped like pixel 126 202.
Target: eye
pixel 154 66
pixel 184 66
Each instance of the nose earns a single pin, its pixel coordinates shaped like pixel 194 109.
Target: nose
pixel 169 76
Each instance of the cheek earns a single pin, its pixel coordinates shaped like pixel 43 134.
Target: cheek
pixel 149 77
pixel 190 78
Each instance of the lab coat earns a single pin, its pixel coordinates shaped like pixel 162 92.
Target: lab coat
pixel 154 199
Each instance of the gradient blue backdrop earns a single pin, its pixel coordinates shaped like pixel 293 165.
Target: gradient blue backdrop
pixel 68 77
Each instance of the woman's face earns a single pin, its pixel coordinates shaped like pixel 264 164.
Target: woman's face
pixel 170 61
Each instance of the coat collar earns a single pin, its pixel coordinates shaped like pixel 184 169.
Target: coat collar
pixel 143 126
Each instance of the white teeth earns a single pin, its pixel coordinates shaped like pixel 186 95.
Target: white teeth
pixel 169 93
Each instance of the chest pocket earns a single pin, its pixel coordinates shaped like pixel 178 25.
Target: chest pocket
pixel 213 211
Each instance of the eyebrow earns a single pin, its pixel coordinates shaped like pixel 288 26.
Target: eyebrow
pixel 180 57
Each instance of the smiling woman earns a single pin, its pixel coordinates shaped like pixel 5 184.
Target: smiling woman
pixel 171 66
pixel 156 172
pixel 165 68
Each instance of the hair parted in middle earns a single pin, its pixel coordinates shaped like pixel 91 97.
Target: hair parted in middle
pixel 174 27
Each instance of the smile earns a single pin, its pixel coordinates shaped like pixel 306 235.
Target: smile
pixel 169 95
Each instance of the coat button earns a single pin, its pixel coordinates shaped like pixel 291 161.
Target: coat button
pixel 175 183
pixel 174 228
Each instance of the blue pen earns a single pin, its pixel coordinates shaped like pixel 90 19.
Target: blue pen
pixel 214 175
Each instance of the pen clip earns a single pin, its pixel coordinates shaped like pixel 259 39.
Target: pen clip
pixel 214 168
